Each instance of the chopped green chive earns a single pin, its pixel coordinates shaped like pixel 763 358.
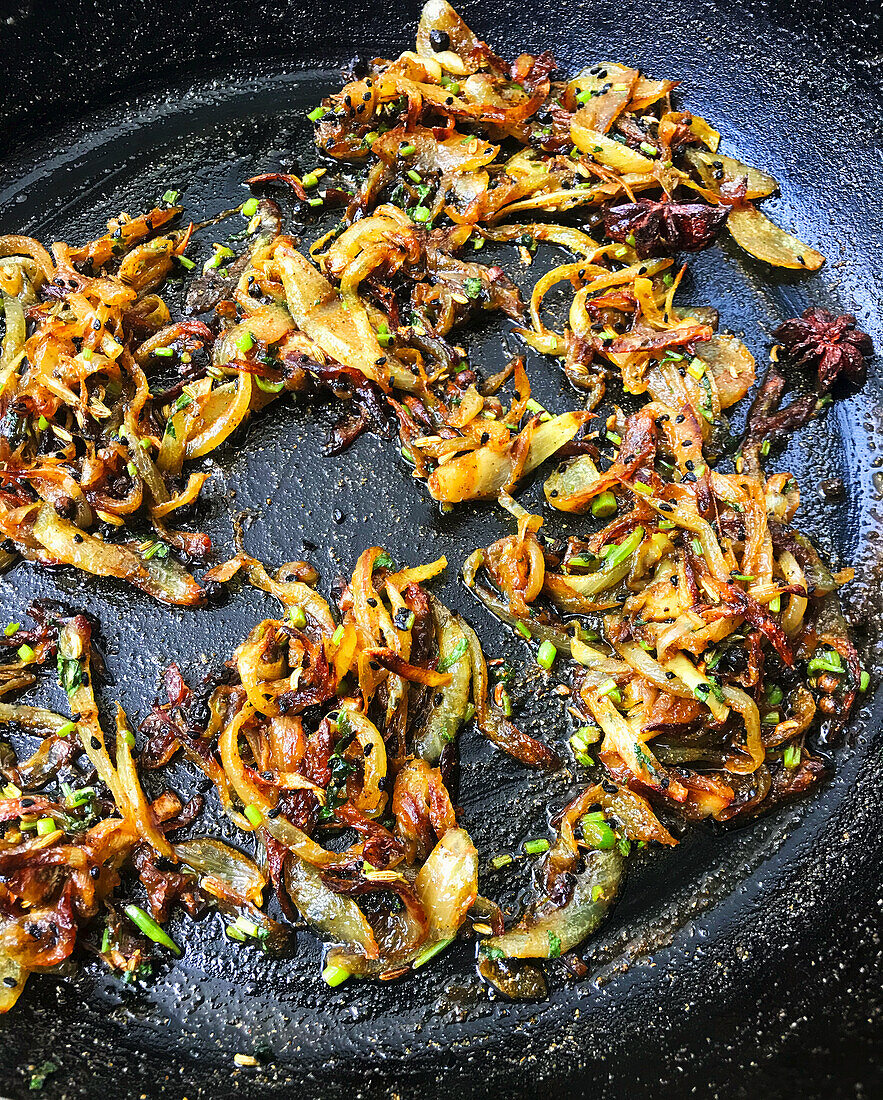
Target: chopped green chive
pixel 407 150
pixel 829 661
pixel 316 201
pixel 604 505
pixel 546 655
pixel 334 974
pixel 589 735
pixel 250 207
pixel 626 548
pixel 254 815
pixel 186 263
pixel 502 860
pixel 648 150
pixel 129 738
pixel 597 832
pixel 42 423
pixel 171 197
pixel 25 653
pixel 792 757
pixel 415 177
pixel 310 180
pixel 146 924
pixel 643 488
pixel 337 636
pixel 430 952
pixel 421 213
pixel 536 847
pixel 506 702
pixel 668 280
pixel 864 681
pixel 523 630
pixel 297 617
pixel 454 656
pixel 65 730
pixel 10 629
pixel 268 387
pixel 776 604
pixel 245 341
pixel 317 113
pixel 743 577
pixel 765 447
pixel 165 353
pixel 45 826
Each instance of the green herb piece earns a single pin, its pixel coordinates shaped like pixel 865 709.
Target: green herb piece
pixel 597 832
pixel 171 197
pixel 546 655
pixel 254 815
pixel 536 847
pixel 245 341
pixel 473 286
pixel 337 636
pixel 506 702
pixel 317 201
pixel 492 952
pixel 268 387
pixel 421 214
pixel 383 561
pixel 742 577
pixel 775 604
pixel 774 694
pixel 146 924
pixel 42 423
pixel 502 860
pixel 430 952
pixel 38 1077
pixel 454 656
pixel 250 207
pixel 45 826
pixel 317 113
pixel 864 680
pixel 648 150
pixel 626 548
pixel 791 758
pixel 523 630
pixel 11 628
pixel 334 975
pixel 310 180
pixel 297 617
pixel 66 730
pixel 407 150
pixel 554 946
pixel 185 262
pixel 26 653
pixel 604 505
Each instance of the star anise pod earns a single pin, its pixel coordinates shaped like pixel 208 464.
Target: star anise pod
pixel 659 228
pixel 830 343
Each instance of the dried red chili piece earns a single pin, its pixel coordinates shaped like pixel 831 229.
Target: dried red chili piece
pixel 657 228
pixel 829 342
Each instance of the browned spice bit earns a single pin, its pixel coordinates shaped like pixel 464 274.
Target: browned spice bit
pixel 659 228
pixel 832 344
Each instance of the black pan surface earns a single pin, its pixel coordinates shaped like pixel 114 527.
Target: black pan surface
pixel 744 960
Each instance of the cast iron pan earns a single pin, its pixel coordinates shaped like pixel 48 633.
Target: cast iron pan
pixel 746 960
